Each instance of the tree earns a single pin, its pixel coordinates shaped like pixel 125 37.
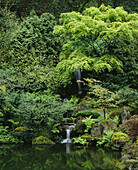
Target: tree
pixel 128 5
pixel 35 52
pixel 89 40
pixel 8 25
pixel 34 42
pixel 99 96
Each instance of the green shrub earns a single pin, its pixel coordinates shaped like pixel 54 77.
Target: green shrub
pixel 106 138
pixel 128 96
pixel 85 113
pixel 6 136
pixel 34 43
pixel 8 25
pixel 88 122
pixel 130 127
pixel 80 140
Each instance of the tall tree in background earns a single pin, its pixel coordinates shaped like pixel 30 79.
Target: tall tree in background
pixel 97 40
pixel 8 25
pixel 56 7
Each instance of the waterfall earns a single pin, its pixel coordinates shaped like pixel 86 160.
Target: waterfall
pixel 77 75
pixel 68 131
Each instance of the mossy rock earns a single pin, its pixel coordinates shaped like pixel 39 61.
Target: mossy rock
pixel 21 128
pixel 80 127
pixel 41 140
pixel 129 156
pixel 134 147
pixel 23 134
pixel 134 117
pixel 115 113
pixel 108 125
pixel 119 139
pixel 97 130
pixel 86 136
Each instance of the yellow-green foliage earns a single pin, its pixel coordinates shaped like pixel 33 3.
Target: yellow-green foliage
pixel 21 128
pixel 135 146
pixel 42 140
pixel 87 37
pixel 1 114
pixel 119 138
pixel 3 87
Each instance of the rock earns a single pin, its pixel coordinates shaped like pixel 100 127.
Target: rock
pixel 129 158
pixel 97 130
pixel 134 117
pixel 21 129
pixel 41 140
pixel 119 139
pixel 80 127
pixel 108 125
pixel 125 115
pixel 115 113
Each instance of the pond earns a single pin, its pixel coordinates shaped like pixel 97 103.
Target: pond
pixel 56 157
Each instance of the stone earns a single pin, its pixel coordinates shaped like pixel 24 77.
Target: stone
pixel 129 158
pixel 108 125
pixel 97 130
pixel 80 127
pixel 119 139
pixel 125 115
pixel 23 134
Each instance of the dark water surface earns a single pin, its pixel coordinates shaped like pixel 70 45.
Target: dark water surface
pixel 56 157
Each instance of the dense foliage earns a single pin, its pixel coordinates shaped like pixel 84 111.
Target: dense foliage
pixel 34 42
pixel 8 24
pixel 98 40
pixel 42 62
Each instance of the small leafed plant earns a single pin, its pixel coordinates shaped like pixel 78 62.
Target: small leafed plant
pixel 106 138
pixel 88 122
pixel 80 140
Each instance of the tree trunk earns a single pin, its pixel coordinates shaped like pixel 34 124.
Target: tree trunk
pixel 104 113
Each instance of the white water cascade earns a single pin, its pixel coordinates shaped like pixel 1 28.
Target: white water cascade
pixel 77 75
pixel 68 131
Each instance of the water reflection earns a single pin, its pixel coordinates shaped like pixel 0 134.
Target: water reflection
pixel 57 157
pixel 68 148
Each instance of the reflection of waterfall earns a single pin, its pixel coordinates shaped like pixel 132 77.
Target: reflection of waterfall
pixel 78 78
pixel 67 148
pixel 68 130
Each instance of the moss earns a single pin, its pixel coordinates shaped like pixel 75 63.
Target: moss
pixel 94 125
pixel 42 140
pixel 23 134
pixel 115 113
pixel 134 117
pixel 89 137
pixel 134 147
pixel 21 128
pixel 129 156
pixel 108 124
pixel 119 139
pixel 107 145
pixel 86 136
